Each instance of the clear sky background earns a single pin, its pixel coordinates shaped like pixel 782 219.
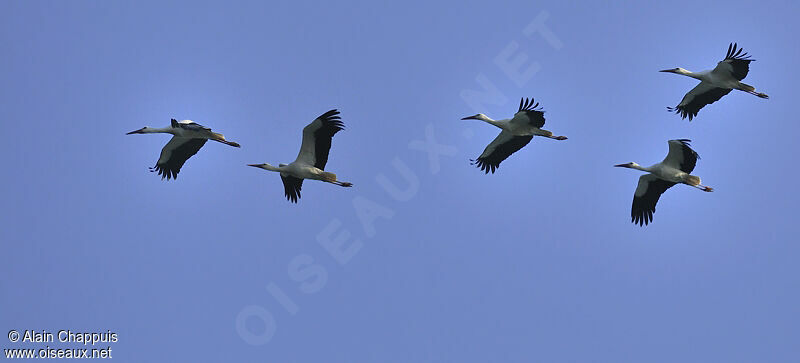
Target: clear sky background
pixel 538 262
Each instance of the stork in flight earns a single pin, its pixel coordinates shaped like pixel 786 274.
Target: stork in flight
pixel 187 139
pixel 313 156
pixel 675 168
pixel 715 83
pixel 517 132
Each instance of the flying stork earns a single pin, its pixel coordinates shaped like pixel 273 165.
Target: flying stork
pixel 187 139
pixel 517 132
pixel 675 168
pixel 715 83
pixel 313 156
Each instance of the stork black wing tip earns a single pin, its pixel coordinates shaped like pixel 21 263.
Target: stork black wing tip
pixel 526 104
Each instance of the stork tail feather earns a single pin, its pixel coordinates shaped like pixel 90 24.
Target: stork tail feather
pixel 328 177
pixel 544 133
pixel 692 180
pixel 746 87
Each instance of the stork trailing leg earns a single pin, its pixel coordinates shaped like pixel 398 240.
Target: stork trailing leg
pixel 704 188
pixel 751 90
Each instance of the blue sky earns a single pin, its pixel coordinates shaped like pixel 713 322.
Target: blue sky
pixel 538 262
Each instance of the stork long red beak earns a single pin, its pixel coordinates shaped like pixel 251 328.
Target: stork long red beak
pixel 470 118
pixel 621 165
pixel 668 70
pixel 139 131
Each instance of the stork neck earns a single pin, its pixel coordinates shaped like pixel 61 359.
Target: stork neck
pixel 273 168
pixel 497 123
pixel 689 73
pixel 158 130
pixel 642 168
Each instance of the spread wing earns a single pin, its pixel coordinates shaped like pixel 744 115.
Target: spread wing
pixel 736 63
pixel 188 125
pixel 528 114
pixel 174 155
pixel 645 198
pixel 702 94
pixel 681 156
pixel 317 137
pixel 291 187
pixel 500 149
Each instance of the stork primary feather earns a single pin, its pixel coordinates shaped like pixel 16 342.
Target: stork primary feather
pixel 310 162
pixel 714 84
pixel 517 132
pixel 187 139
pixel 675 168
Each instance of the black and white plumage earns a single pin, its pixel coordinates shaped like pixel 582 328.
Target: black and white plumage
pixel 312 158
pixel 188 137
pixel 675 168
pixel 714 84
pixel 517 132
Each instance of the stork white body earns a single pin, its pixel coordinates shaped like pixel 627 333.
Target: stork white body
pixel 312 158
pixel 188 137
pixel 676 168
pixel 714 84
pixel 517 132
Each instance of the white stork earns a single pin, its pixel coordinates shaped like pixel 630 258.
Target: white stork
pixel 715 83
pixel 187 139
pixel 517 132
pixel 675 168
pixel 313 156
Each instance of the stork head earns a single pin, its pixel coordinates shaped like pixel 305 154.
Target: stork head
pixel 630 165
pixel 139 131
pixel 479 116
pixel 678 70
